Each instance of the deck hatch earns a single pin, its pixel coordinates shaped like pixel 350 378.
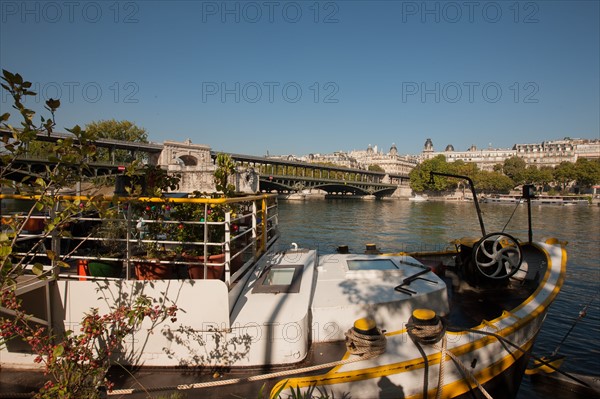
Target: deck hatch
pixel 280 279
pixel 371 264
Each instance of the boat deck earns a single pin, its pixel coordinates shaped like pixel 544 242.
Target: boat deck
pixel 152 379
pixel 468 307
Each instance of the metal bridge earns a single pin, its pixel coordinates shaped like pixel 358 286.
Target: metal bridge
pixel 289 176
pixel 274 175
pixel 37 166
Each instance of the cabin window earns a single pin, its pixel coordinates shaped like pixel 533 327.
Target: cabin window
pixel 280 278
pixel 371 264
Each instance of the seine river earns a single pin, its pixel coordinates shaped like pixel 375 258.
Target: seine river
pixel 404 225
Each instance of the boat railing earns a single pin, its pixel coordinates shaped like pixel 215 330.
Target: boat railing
pixel 226 235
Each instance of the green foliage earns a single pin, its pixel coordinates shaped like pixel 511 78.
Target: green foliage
pixel 191 217
pixel 77 362
pixel 153 227
pixel 420 177
pixel 117 130
pixel 531 174
pixel 69 158
pixel 545 176
pixel 463 168
pixel 312 392
pixel 157 181
pixel 587 172
pixel 493 182
pixel 375 168
pixel 514 168
pixel 564 173
pixel 512 173
pixel 174 395
pixel 225 168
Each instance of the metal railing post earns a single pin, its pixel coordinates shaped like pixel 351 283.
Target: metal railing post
pixel 205 257
pixel 227 246
pixel 254 235
pixel 128 242
pixel 264 225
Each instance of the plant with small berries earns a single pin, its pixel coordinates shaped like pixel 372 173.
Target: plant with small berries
pixel 77 363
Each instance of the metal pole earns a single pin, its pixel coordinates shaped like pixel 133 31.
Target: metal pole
pixel 254 230
pixel 227 246
pixel 264 225
pixel 529 219
pixel 128 242
pixel 472 187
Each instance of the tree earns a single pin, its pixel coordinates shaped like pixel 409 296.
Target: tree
pixel 117 130
pixel 564 174
pixel 515 169
pixel 545 176
pixel 463 168
pixel 587 172
pixel 531 174
pixel 375 168
pixel 420 177
pixel 493 182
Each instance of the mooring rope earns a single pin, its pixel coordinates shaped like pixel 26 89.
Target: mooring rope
pixel 427 334
pixel 442 373
pixel 430 335
pixel 360 344
pixel 517 347
pixel 366 347
pixel 468 372
pixel 513 214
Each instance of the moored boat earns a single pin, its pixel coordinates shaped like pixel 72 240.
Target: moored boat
pixel 538 200
pixel 443 323
pixel 417 198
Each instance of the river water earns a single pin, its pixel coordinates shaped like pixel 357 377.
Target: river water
pixel 408 226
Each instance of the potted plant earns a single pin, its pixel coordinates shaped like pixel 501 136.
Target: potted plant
pixel 111 245
pixel 151 252
pixel 196 219
pixel 190 233
pixel 154 226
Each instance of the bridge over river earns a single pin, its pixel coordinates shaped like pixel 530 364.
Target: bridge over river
pixel 196 163
pixel 290 176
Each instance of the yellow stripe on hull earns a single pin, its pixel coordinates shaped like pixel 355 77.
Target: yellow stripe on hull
pixel 456 388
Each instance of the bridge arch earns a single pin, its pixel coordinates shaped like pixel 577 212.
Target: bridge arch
pixel 188 160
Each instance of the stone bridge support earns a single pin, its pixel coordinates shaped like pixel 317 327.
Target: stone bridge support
pixel 194 163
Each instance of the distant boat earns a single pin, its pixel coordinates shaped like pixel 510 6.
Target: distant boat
pixel 417 198
pixel 539 200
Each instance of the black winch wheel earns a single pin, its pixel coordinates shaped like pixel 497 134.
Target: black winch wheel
pixel 497 256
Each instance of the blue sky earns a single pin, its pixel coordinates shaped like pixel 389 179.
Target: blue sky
pixel 303 76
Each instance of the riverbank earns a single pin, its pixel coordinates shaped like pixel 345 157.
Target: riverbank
pixel 448 197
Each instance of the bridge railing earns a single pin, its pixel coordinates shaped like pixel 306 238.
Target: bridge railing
pixel 145 238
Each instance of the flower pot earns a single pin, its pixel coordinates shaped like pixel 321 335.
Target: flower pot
pixel 82 269
pixel 196 272
pixel 105 269
pixel 152 269
pixel 33 225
